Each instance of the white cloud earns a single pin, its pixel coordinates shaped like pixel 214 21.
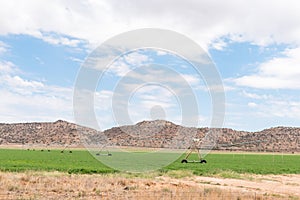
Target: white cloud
pixel 216 88
pixel 260 22
pixel 252 104
pixel 19 84
pixel 10 80
pixel 191 79
pixel 17 107
pixel 164 76
pixel 139 67
pixel 76 60
pixel 283 105
pixel 136 59
pixel 119 68
pixel 277 73
pixel 254 96
pixel 128 62
pixel 161 53
pixel 103 100
pixel 218 44
pixel 3 47
pixel 148 104
pixel 58 39
pixel 152 95
pixel 30 100
pixel 7 67
pixel 280 108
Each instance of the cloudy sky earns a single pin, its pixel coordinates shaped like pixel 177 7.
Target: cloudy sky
pixel 255 46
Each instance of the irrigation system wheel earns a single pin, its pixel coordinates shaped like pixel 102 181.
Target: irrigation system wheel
pixel 184 161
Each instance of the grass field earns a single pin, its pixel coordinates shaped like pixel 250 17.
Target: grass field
pixel 80 161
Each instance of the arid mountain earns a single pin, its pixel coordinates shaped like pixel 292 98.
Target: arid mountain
pixel 156 134
pixel 41 133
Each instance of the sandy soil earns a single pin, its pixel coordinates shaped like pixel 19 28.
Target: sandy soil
pixel 284 186
pixel 55 185
pixel 273 184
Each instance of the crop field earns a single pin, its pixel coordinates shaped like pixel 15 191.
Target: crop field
pixel 81 161
pixel 56 175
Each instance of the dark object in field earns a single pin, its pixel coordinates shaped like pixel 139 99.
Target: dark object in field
pixel 99 154
pixel 103 152
pixel 194 161
pixel 67 146
pixel 184 161
pixel 64 151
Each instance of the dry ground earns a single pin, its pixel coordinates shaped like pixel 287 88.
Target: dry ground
pixel 55 185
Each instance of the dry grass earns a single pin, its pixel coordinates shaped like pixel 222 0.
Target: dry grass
pixel 55 185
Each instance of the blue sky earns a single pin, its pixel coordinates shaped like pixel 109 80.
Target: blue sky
pixel 256 53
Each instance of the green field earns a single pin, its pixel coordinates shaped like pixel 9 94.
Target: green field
pixel 80 161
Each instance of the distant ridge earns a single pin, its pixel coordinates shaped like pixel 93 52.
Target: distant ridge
pixel 155 134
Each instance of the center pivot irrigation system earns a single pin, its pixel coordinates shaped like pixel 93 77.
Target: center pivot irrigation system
pixel 65 148
pixel 103 152
pixel 195 148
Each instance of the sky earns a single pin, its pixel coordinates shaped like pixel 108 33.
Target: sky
pixel 255 46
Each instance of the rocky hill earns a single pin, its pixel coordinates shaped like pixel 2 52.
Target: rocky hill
pixel 51 133
pixel 156 134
